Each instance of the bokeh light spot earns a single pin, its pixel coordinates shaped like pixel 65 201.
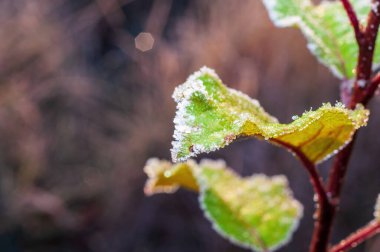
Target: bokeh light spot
pixel 144 41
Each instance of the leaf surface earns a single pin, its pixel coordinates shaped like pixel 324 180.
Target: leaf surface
pixel 164 177
pixel 210 116
pixel 327 29
pixel 256 212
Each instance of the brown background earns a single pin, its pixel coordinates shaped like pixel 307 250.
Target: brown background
pixel 81 109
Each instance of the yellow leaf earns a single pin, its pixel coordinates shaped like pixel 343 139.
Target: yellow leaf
pixel 210 116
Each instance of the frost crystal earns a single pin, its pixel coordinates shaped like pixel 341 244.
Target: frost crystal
pixel 201 92
pixel 362 83
pixel 328 31
pixel 211 116
pixel 182 95
pixel 375 7
pixel 339 104
pixel 252 205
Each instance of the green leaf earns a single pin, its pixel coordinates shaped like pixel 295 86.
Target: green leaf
pixel 210 116
pixel 327 29
pixel 256 212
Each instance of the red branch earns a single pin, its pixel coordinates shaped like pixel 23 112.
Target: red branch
pixel 338 172
pixel 371 90
pixel 365 59
pixel 359 95
pixel 362 92
pixel 358 237
pixel 353 19
pixel 325 209
pixel 310 168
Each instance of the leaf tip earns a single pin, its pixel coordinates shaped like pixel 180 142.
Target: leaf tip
pixel 155 169
pixel 360 115
pixel 184 125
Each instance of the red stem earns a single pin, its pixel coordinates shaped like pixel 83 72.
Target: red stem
pixel 370 92
pixel 358 237
pixel 338 172
pixel 325 209
pixel 353 19
pixel 366 45
pixel 312 171
pixel 360 94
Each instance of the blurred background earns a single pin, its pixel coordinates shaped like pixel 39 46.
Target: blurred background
pixel 85 99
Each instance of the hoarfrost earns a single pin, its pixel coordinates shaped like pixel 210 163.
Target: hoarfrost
pixel 375 7
pixel 362 83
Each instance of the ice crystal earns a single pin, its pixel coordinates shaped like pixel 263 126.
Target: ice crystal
pixel 327 29
pixel 210 116
pixel 243 210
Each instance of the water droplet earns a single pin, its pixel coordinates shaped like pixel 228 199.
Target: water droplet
pixel 375 7
pixel 315 215
pixel 144 41
pixel 362 83
pixel 315 197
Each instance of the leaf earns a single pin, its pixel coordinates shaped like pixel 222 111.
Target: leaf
pixel 210 116
pixel 166 178
pixel 327 29
pixel 257 212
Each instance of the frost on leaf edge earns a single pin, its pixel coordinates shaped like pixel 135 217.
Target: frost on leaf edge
pixel 218 164
pixel 182 95
pixel 184 92
pixel 296 20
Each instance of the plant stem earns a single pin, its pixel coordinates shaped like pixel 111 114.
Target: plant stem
pixel 324 212
pixel 315 179
pixel 370 92
pixel 366 45
pixel 353 19
pixel 338 172
pixel 358 237
pixel 361 93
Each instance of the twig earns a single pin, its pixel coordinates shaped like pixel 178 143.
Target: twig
pixel 358 237
pixel 371 90
pixel 366 52
pixel 353 19
pixel 338 172
pixel 324 210
pixel 310 168
pixel 360 94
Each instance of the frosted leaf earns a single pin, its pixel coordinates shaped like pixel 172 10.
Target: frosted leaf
pixel 327 29
pixel 167 178
pixel 256 212
pixel 210 116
